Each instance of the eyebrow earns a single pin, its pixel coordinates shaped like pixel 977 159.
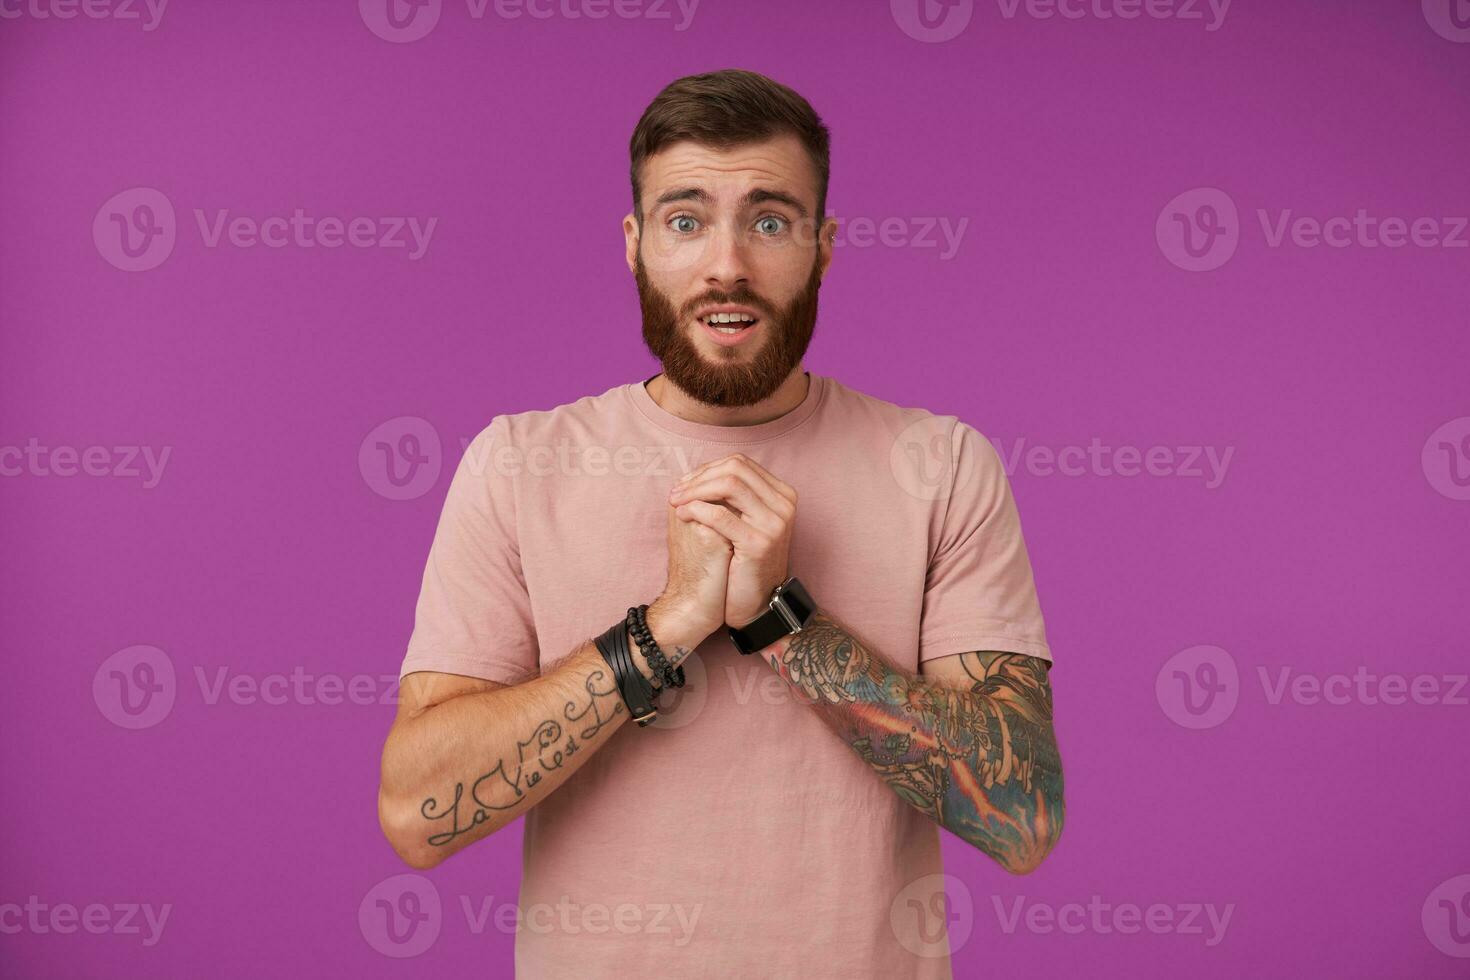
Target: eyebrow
pixel 751 198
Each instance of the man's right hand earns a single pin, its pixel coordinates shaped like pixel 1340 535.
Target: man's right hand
pixel 692 605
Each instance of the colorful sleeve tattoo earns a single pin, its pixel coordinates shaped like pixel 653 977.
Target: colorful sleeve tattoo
pixel 981 760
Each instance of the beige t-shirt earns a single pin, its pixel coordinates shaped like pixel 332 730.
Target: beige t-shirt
pixel 751 841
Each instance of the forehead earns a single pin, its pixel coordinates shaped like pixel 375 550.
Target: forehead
pixel 778 164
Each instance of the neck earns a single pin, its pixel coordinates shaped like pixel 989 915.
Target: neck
pixel 671 399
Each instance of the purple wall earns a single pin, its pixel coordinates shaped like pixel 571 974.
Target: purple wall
pixel 1224 250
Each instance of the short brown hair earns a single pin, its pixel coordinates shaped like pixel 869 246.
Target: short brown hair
pixel 725 109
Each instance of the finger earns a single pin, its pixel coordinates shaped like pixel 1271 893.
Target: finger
pixel 701 469
pixel 713 466
pixel 760 480
pixel 741 466
pixel 738 490
pixel 721 521
pixel 676 515
pixel 781 486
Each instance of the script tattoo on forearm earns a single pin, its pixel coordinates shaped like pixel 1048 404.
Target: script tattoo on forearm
pixel 982 762
pixel 546 749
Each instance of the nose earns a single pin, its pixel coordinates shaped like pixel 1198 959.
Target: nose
pixel 727 265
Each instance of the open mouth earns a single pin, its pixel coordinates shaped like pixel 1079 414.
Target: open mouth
pixel 728 325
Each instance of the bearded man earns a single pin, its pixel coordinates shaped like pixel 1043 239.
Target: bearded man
pixel 816 605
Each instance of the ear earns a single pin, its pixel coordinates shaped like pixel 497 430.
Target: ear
pixel 630 239
pixel 825 238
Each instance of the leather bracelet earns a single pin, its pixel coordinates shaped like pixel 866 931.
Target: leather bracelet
pixel 633 687
pixel 641 692
pixel 667 674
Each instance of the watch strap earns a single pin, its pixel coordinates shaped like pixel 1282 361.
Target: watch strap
pixel 790 608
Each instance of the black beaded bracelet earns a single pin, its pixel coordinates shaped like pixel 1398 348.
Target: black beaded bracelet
pixel 667 674
pixel 638 626
pixel 630 620
pixel 656 662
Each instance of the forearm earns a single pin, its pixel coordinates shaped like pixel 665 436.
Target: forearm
pixel 472 764
pixel 983 763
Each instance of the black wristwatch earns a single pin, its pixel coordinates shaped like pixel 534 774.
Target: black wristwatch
pixel 791 608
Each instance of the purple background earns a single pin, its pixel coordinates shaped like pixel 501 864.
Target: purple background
pixel 265 549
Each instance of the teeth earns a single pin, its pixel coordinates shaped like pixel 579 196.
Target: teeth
pixel 729 329
pixel 729 318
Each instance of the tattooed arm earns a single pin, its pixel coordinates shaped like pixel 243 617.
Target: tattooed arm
pixel 973 749
pixel 467 756
pixel 971 744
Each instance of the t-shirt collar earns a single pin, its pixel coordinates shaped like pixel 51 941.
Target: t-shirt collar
pixel 709 432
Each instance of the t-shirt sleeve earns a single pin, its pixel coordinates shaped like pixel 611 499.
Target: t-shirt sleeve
pixel 979 593
pixel 473 614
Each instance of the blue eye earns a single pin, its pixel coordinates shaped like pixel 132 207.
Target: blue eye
pixel 769 219
pixel 683 217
